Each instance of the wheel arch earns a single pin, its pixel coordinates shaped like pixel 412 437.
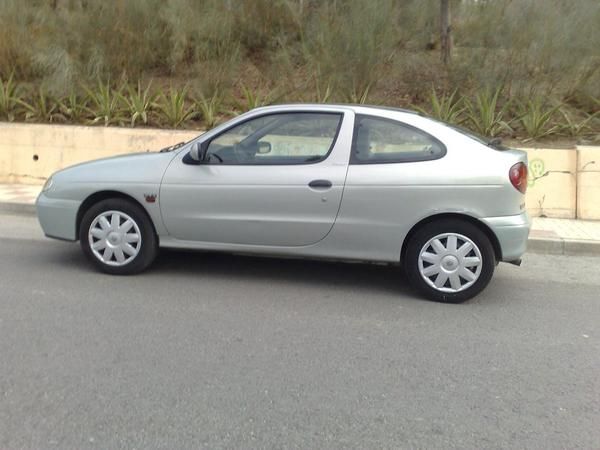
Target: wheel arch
pixel 457 216
pixel 96 197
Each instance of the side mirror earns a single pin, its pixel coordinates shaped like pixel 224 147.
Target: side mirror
pixel 264 148
pixel 198 152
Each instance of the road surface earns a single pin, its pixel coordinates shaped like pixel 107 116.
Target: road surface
pixel 225 351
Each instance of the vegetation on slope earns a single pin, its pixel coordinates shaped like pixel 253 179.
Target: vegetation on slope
pixel 519 68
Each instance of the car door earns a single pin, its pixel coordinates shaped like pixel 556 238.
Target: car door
pixel 275 179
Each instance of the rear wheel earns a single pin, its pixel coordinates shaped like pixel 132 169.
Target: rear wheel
pixel 117 237
pixel 449 260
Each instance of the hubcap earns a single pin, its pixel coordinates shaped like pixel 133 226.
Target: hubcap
pixel 450 262
pixel 114 238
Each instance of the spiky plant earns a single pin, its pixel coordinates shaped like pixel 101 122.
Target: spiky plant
pixel 43 107
pixel 322 95
pixel 573 127
pixel 138 103
pixel 209 108
pixel 536 118
pixel 74 107
pixel 251 99
pixel 447 108
pixel 358 95
pixel 484 114
pixel 104 104
pixel 173 109
pixel 11 97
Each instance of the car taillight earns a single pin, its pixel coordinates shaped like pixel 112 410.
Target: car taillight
pixel 518 176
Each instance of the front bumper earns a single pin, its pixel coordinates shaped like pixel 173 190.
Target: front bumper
pixel 512 233
pixel 58 217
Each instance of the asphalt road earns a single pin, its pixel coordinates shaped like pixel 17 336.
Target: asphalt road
pixel 223 351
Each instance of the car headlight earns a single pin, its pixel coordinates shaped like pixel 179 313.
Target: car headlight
pixel 48 184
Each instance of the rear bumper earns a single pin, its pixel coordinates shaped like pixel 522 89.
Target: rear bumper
pixel 512 233
pixel 57 217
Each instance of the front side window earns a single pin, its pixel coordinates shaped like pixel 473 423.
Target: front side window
pixel 379 140
pixel 288 138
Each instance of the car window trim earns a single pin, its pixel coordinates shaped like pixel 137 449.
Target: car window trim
pixel 355 161
pixel 341 114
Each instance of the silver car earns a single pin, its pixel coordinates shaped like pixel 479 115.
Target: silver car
pixel 340 182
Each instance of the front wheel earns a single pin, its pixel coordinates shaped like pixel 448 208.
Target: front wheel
pixel 449 260
pixel 117 237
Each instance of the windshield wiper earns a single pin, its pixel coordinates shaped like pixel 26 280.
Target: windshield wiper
pixel 172 147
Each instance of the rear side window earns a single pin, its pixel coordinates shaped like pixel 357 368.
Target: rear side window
pixel 378 140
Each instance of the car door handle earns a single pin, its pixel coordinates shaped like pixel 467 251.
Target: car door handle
pixel 320 184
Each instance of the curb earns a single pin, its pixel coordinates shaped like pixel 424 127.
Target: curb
pixel 544 246
pixel 560 246
pixel 26 209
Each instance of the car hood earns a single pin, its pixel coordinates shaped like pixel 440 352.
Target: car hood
pixel 146 167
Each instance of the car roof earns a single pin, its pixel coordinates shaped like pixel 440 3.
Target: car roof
pixel 357 108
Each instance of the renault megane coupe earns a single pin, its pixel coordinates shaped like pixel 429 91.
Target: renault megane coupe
pixel 340 182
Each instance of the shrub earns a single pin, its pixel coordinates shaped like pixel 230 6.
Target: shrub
pixel 173 109
pixel 138 103
pixel 43 107
pixel 573 125
pixel 251 98
pixel 104 104
pixel 351 60
pixel 484 115
pixel 74 107
pixel 536 118
pixel 209 108
pixel 10 98
pixel 447 108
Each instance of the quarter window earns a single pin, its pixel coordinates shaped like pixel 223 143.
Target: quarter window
pixel 289 138
pixel 379 140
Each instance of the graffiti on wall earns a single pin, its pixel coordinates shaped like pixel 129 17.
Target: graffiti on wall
pixel 537 170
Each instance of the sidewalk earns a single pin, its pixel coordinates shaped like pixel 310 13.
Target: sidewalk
pixel 549 236
pixel 18 198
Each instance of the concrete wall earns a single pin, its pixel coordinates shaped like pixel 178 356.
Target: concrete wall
pixel 552 186
pixel 588 182
pixel 30 153
pixel 562 183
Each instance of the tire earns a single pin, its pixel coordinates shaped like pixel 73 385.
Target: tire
pixel 125 249
pixel 430 254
